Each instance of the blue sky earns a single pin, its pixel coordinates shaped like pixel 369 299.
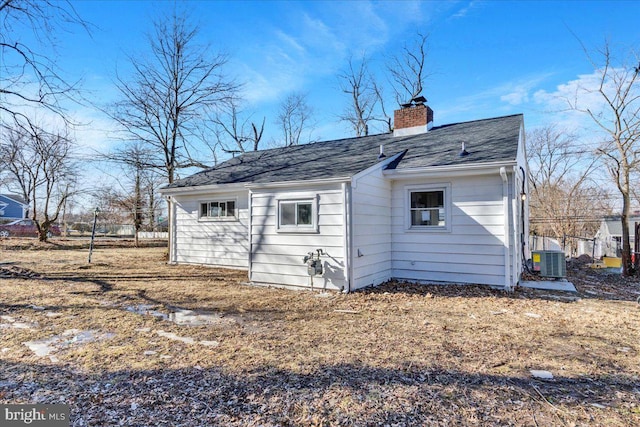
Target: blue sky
pixel 485 58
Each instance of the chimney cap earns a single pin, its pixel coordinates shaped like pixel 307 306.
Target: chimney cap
pixel 419 99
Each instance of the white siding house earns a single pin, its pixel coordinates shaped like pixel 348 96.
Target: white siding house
pixel 428 204
pixel 208 236
pixel 277 249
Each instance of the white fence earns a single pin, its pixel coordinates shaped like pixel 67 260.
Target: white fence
pixel 153 235
pixel 541 243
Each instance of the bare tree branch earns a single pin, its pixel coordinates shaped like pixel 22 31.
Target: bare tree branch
pixel 29 75
pixel 40 165
pixel 358 84
pixel 407 70
pixel 564 200
pixel 294 118
pixel 169 97
pixel 619 120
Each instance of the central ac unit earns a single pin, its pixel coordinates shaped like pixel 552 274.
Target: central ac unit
pixel 549 263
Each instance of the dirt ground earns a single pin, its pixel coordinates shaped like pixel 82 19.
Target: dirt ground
pixel 129 340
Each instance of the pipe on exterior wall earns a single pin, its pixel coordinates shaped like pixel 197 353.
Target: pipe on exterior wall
pixel 514 219
pixel 250 221
pixel 346 231
pixel 171 221
pixel 505 204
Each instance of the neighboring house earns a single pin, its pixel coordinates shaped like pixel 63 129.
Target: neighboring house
pixel 12 207
pixel 442 204
pixel 609 236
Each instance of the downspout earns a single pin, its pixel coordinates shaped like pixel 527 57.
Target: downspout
pixel 514 216
pixel 346 232
pixel 172 230
pixel 505 204
pixel 249 232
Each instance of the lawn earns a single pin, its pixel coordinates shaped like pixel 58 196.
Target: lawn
pixel 129 340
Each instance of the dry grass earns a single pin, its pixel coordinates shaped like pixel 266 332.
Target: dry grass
pixel 398 355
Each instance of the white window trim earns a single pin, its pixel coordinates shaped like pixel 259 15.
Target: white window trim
pixel 218 219
pixel 446 188
pixel 313 228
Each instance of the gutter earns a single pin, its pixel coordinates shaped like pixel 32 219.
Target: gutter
pixel 202 189
pixel 451 170
pixel 298 183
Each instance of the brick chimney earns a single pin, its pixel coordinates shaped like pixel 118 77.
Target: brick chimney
pixel 412 119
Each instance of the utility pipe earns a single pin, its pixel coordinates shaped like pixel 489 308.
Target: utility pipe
pixel 505 204
pixel 346 231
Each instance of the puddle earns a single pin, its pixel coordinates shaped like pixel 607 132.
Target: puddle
pixel 146 309
pixel 12 323
pixel 70 337
pixel 172 336
pixel 192 318
pixel 186 340
pixel 181 317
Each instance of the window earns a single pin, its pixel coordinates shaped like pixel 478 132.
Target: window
pixel 296 215
pixel 218 210
pixel 428 208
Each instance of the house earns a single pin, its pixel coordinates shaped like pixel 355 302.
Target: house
pixel 609 235
pixel 424 204
pixel 12 207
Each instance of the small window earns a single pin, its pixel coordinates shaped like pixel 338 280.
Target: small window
pixel 217 210
pixel 296 215
pixel 428 208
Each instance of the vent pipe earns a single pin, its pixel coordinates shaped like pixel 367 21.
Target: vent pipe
pixel 464 151
pixel 381 155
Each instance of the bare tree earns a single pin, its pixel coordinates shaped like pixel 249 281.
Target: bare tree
pixel 29 75
pixel 41 167
pixel 294 118
pixel 619 120
pixel 233 128
pixel 135 196
pixel 358 84
pixel 407 70
pixel 169 96
pixel 564 200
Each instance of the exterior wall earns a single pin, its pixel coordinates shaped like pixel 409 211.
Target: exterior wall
pixel 471 251
pixel 11 209
pixel 277 257
pixel 609 236
pixel 371 214
pixel 219 243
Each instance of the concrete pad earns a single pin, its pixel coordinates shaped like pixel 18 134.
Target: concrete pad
pixel 549 285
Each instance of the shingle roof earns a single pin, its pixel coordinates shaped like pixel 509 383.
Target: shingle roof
pixel 615 225
pixel 486 140
pixel 16 198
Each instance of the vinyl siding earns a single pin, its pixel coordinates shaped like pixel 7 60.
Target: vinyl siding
pixel 219 243
pixel 472 251
pixel 371 213
pixel 10 209
pixel 277 256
